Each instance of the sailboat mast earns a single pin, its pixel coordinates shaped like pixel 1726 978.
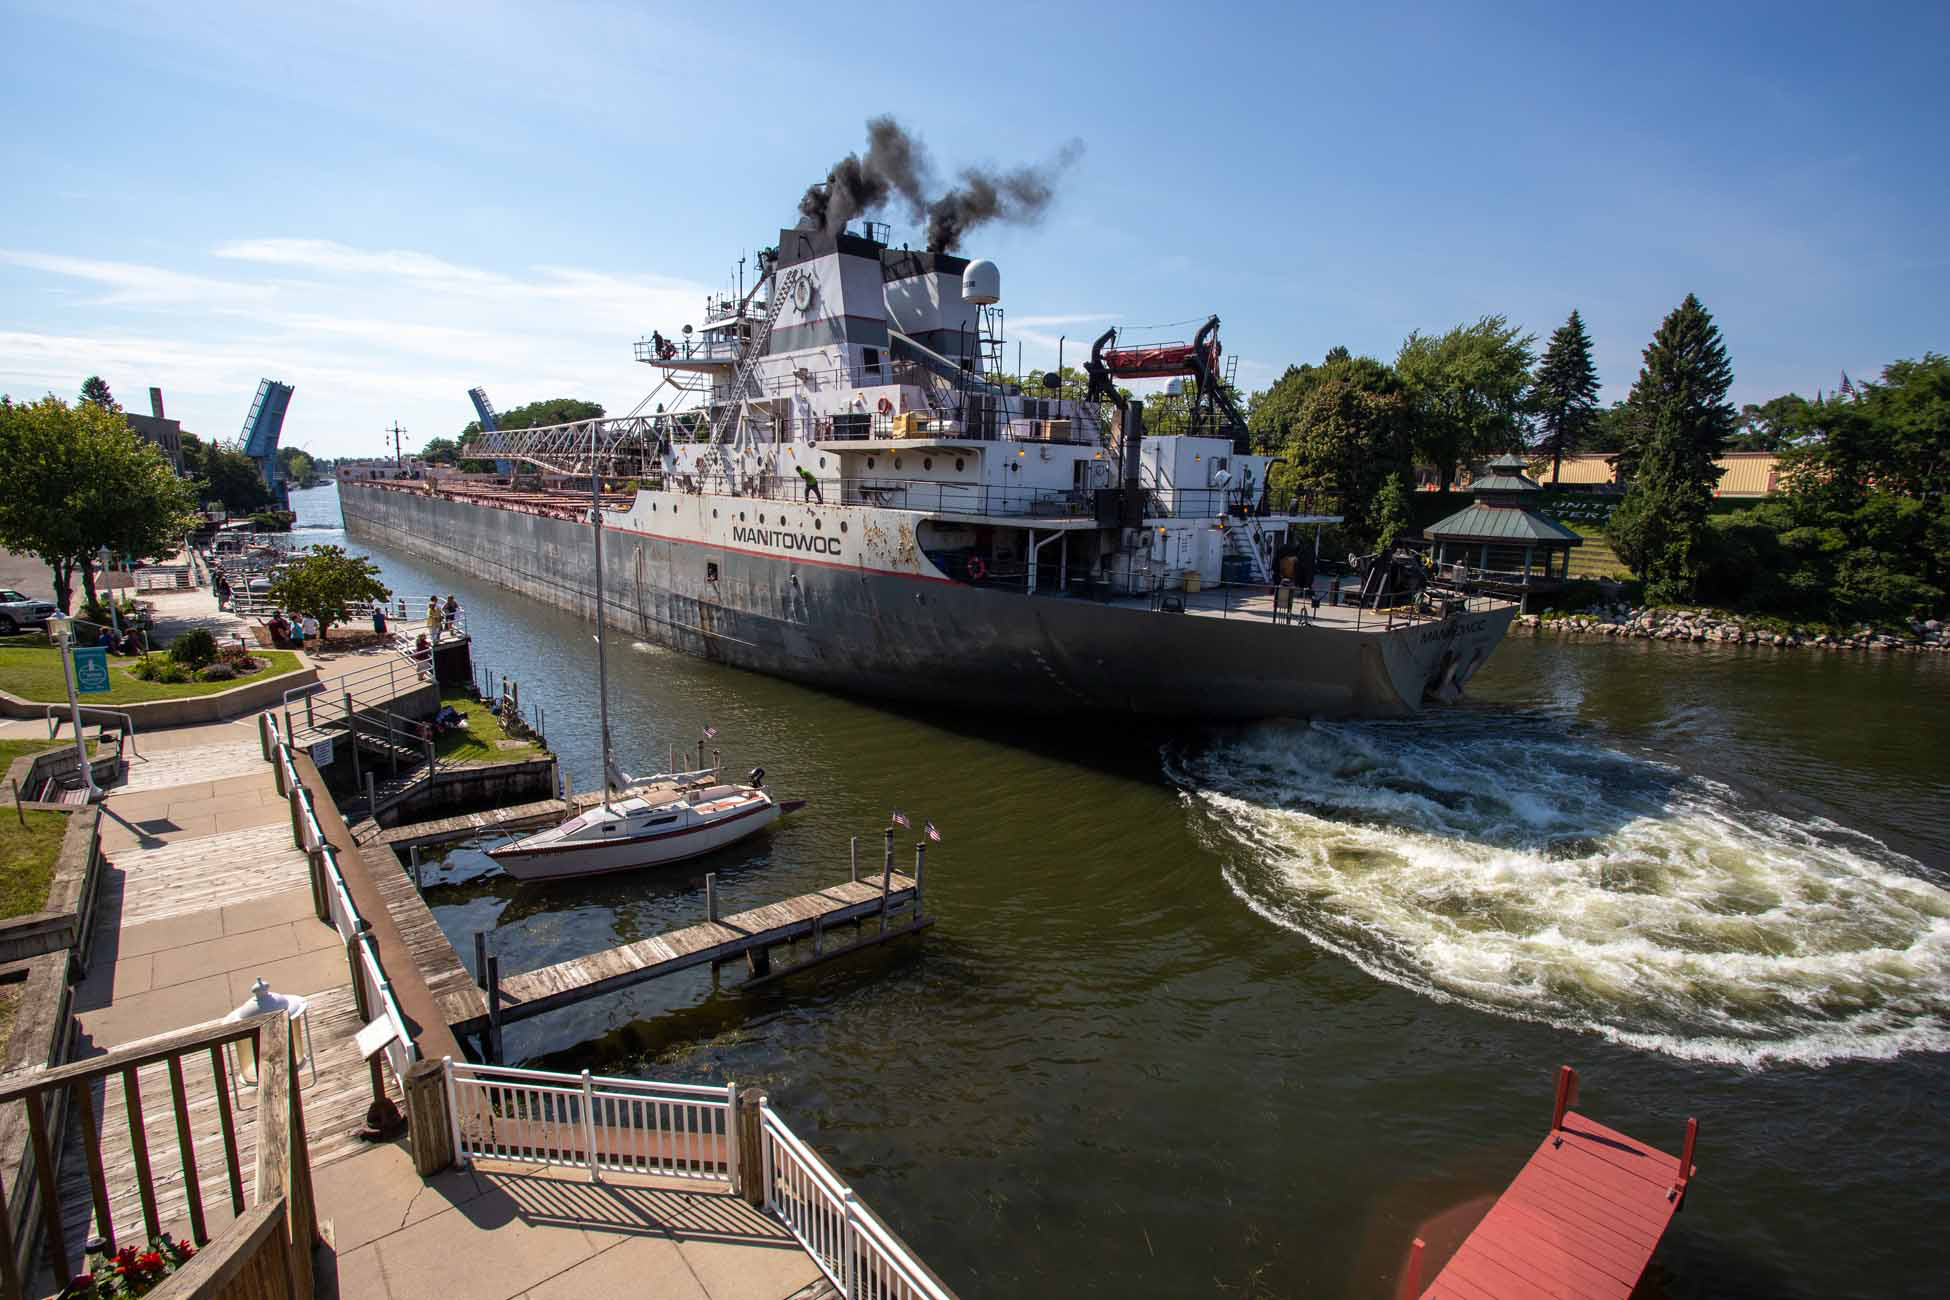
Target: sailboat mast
pixel 602 659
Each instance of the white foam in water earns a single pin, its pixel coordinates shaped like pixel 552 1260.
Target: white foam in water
pixel 1514 868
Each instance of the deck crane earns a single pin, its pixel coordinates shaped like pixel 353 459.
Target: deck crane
pixel 1199 359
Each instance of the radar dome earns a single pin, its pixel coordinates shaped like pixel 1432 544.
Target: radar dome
pixel 981 283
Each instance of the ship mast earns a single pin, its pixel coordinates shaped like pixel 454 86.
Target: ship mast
pixel 602 659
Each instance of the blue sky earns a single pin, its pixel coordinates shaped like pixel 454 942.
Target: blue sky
pixel 385 204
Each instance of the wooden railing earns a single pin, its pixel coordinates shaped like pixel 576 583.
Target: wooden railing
pixel 271 1242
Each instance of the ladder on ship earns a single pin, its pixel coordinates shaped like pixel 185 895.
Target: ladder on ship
pixel 741 381
pixel 1247 540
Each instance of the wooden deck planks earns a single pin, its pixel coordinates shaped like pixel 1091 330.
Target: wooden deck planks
pixel 335 1106
pixel 454 991
pixel 533 992
pixel 515 816
pixel 1580 1222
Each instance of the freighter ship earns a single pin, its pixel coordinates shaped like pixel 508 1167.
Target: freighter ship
pixel 835 488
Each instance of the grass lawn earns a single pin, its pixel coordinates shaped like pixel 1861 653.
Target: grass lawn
pixel 27 857
pixel 12 749
pixel 31 669
pixel 481 739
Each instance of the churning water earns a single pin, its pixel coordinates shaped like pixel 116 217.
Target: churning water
pixel 1509 864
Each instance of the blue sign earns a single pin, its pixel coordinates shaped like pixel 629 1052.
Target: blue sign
pixel 91 670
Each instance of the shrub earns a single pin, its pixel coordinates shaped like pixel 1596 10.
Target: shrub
pixel 174 674
pixel 218 673
pixel 148 670
pixel 194 649
pixel 238 657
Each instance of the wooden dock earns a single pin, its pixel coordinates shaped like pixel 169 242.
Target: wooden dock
pixel 445 830
pixel 1582 1219
pixel 892 899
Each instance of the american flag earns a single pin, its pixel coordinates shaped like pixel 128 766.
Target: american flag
pixel 933 834
pixel 710 733
pixel 900 818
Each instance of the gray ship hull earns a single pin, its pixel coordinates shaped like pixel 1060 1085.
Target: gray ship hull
pixel 897 637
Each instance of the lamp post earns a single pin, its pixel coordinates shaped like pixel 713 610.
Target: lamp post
pixel 61 629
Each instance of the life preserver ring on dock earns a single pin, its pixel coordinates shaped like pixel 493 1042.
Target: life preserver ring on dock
pixel 886 407
pixel 975 569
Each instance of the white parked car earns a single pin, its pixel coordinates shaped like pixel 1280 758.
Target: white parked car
pixel 18 611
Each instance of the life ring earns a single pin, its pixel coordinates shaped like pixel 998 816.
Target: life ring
pixel 975 569
pixel 886 407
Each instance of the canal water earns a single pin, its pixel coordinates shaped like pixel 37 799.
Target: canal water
pixel 1239 1012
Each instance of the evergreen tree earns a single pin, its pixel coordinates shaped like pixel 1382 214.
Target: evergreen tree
pixel 1682 421
pixel 1565 392
pixel 1391 520
pixel 94 390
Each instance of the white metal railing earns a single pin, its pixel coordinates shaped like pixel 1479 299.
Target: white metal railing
pixel 857 1252
pixel 683 1130
pixel 672 1130
pixel 353 929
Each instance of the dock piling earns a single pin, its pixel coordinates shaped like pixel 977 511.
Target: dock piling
pixel 886 878
pixel 711 894
pixel 494 1007
pixel 372 799
pixel 854 855
pixel 413 854
pixel 352 741
pixel 920 856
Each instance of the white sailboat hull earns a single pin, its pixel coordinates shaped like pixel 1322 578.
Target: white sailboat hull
pixel 566 860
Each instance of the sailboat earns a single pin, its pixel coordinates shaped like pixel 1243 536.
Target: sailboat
pixel 641 822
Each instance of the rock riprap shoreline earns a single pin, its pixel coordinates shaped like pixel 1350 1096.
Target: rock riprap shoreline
pixel 1716 627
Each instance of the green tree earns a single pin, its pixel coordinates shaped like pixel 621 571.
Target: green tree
pixel 94 391
pixel 1342 429
pixel 295 463
pixel 195 455
pixel 1564 393
pixel 234 480
pixel 1773 425
pixel 439 451
pixel 1391 513
pixel 327 581
pixel 1682 420
pixel 1468 389
pixel 78 481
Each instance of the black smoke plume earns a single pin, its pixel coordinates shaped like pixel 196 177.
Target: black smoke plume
pixel 896 165
pixel 1022 195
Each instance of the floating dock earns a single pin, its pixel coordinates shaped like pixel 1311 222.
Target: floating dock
pixel 1582 1219
pixel 895 900
pixel 445 830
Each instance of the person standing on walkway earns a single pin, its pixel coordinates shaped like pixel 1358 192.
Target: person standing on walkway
pixel 378 619
pixel 452 612
pixel 812 492
pixel 433 617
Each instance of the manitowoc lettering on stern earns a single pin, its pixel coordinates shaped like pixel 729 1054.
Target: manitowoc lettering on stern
pixel 838 488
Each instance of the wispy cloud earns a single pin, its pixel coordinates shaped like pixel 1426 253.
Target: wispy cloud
pixel 131 284
pixel 365 334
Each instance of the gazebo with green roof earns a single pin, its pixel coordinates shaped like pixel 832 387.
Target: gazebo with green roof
pixel 1500 537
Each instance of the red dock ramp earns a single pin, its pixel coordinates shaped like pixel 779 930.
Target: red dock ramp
pixel 1581 1220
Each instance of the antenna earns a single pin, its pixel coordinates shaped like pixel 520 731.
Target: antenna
pixel 396 431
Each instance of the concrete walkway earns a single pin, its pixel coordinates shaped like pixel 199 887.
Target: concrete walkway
pixel 497 1232
pixel 204 894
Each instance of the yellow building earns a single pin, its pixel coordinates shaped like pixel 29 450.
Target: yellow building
pixel 1744 473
